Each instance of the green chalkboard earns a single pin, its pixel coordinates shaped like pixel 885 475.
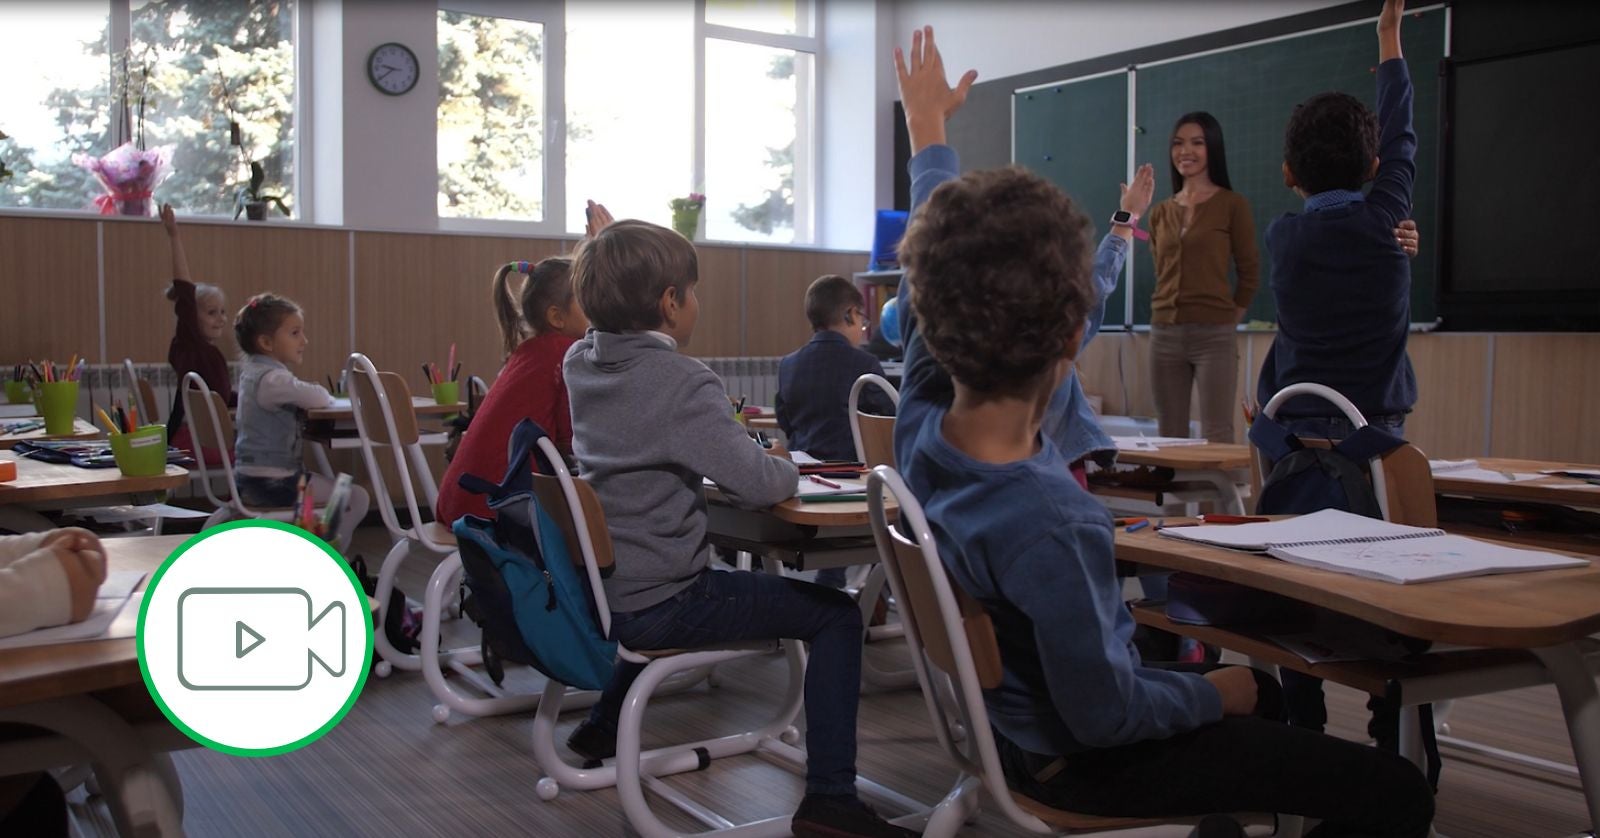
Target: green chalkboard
pixel 1076 134
pixel 1251 90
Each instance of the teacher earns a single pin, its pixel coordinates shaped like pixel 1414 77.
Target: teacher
pixel 1196 236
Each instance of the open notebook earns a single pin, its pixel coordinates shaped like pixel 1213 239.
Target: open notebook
pixel 1360 546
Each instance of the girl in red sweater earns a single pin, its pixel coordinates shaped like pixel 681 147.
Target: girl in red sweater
pixel 202 320
pixel 537 328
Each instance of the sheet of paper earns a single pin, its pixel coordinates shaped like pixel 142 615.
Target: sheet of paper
pixel 1324 526
pixel 1437 466
pixel 119 584
pixel 1574 472
pixel 1484 475
pixel 801 458
pixel 1152 443
pixel 811 488
pixel 1424 559
pixel 110 619
pixel 125 513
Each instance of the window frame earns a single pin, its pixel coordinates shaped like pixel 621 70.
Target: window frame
pixel 119 30
pixel 552 15
pixel 806 104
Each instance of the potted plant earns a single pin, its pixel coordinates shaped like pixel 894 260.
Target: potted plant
pixel 252 201
pixel 686 214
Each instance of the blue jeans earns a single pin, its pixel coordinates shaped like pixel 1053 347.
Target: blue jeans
pixel 735 606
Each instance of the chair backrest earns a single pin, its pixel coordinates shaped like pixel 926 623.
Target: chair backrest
pixel 144 392
pixel 385 418
pixel 574 506
pixel 873 435
pixel 953 646
pixel 477 390
pixel 211 429
pixel 1270 409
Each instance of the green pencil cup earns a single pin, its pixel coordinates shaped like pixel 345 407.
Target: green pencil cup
pixel 58 404
pixel 142 453
pixel 448 392
pixel 17 392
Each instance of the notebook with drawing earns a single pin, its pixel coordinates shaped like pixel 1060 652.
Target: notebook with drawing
pixel 1347 543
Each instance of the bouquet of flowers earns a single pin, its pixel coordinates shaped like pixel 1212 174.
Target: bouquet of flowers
pixel 686 214
pixel 129 175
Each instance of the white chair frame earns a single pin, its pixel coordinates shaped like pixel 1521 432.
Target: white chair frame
pixel 195 389
pixel 1334 397
pixel 871 582
pixel 635 769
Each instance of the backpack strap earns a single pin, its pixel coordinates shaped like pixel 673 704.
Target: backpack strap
pixel 1368 442
pixel 1272 438
pixel 523 447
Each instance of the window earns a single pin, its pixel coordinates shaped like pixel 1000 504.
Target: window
pixel 63 86
pixel 491 115
pixel 53 102
pixel 630 108
pixel 639 134
pixel 756 162
pixel 212 63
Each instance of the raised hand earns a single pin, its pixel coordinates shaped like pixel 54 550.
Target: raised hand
pixel 1389 29
pixel 169 219
pixel 1136 198
pixel 1406 234
pixel 599 218
pixel 926 94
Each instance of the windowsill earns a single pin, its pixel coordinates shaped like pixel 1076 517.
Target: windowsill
pixel 464 230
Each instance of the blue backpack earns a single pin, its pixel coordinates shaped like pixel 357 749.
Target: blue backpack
pixel 1305 479
pixel 533 604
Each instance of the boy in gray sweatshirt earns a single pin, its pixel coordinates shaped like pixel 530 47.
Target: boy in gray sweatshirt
pixel 648 424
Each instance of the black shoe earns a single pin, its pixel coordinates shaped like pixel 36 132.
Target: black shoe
pixel 841 816
pixel 1217 826
pixel 594 742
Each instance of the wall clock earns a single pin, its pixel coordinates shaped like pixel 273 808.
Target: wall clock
pixel 393 68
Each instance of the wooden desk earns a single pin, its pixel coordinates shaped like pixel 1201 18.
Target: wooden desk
pixel 57 486
pixel 1212 464
pixel 80 430
pixel 90 700
pixel 40 673
pixel 811 536
pixel 1565 491
pixel 423 405
pixel 1549 613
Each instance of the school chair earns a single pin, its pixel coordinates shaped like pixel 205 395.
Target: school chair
pixel 956 657
pixel 385 418
pixel 211 428
pixel 874 440
pixel 873 435
pixel 1403 483
pixel 576 509
pixel 145 394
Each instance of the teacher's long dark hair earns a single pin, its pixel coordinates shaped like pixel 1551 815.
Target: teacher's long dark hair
pixel 1216 154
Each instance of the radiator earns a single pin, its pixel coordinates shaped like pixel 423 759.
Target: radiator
pixel 104 384
pixel 754 379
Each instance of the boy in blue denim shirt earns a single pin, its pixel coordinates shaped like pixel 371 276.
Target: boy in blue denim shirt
pixel 998 270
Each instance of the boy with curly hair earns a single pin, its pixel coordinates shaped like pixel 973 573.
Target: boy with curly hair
pixel 998 266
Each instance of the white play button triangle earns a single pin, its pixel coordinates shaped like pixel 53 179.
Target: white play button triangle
pixel 240 647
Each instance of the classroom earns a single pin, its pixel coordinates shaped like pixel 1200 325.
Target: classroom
pixel 799 417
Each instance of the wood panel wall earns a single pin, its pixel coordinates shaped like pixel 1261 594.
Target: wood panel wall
pixel 400 298
pixel 94 286
pixel 1503 395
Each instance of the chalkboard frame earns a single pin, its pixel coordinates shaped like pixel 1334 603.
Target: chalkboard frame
pixel 1126 317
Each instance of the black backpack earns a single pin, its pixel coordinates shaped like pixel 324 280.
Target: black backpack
pixel 1306 479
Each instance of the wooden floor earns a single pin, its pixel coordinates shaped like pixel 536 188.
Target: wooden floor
pixel 389 770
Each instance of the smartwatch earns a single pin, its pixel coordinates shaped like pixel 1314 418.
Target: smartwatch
pixel 1123 218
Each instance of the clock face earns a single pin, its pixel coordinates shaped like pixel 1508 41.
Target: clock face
pixel 392 68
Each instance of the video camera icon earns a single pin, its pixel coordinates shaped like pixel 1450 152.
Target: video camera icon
pixel 256 639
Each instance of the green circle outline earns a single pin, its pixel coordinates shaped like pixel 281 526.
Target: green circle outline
pixel 361 677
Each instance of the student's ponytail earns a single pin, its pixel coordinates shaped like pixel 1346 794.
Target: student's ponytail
pixel 513 329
